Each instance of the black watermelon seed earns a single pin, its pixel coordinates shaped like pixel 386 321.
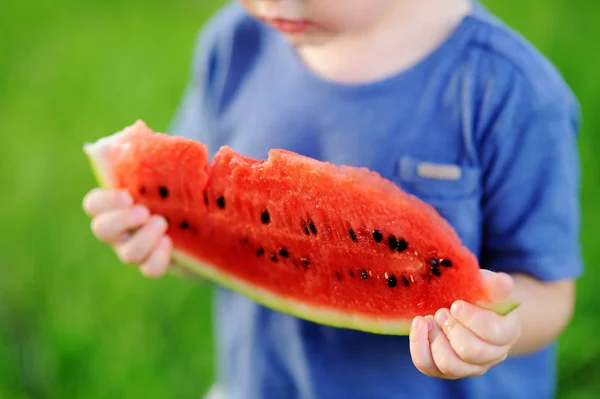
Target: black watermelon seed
pixel 260 251
pixel 391 281
pixel 405 281
pixel 446 262
pixel 306 261
pixel 265 218
pixel 143 190
pixel 205 198
pixel 312 226
pixel 402 245
pixel 393 243
pixel 221 202
pixel 436 271
pixel 364 274
pixel 377 236
pixel 274 257
pixel 305 227
pixel 352 235
pixel 163 192
pixel 434 262
pixel 284 252
pixel 338 276
pixel 185 225
pixel 351 273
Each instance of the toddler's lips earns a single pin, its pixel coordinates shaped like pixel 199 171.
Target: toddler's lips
pixel 289 26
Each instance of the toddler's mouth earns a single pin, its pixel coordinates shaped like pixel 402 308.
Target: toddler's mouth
pixel 287 25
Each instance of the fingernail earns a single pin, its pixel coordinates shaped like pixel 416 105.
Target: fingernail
pixel 457 308
pixel 148 271
pixel 442 316
pixel 124 198
pixel 487 273
pixel 159 221
pixel 416 323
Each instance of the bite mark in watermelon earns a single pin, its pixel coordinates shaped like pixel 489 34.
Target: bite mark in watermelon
pixel 336 245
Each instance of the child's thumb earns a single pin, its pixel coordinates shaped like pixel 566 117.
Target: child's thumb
pixel 499 284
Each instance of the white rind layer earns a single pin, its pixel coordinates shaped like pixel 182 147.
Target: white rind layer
pixel 97 153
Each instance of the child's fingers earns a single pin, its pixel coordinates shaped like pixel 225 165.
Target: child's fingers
pixel 158 262
pixel 446 360
pixel 486 324
pixel 420 348
pixel 100 200
pixel 109 225
pixel 143 242
pixel 468 346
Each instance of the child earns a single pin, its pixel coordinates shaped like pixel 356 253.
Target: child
pixel 391 85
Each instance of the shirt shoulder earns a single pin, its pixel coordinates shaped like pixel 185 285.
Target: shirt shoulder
pixel 505 52
pixel 512 87
pixel 225 50
pixel 228 24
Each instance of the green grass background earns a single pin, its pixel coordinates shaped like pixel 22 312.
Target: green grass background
pixel 76 323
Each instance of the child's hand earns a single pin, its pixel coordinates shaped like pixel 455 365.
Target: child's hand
pixel 467 340
pixel 137 237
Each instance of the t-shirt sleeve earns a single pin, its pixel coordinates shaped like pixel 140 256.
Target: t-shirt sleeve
pixel 531 207
pixel 196 115
pixel 219 40
pixel 193 118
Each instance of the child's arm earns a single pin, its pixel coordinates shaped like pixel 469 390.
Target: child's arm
pixel 547 304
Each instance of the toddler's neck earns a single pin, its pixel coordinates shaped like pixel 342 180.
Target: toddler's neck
pixel 410 31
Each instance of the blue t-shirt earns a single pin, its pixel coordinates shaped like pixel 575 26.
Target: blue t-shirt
pixel 484 102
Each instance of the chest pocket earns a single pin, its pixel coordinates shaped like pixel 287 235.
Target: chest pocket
pixel 454 190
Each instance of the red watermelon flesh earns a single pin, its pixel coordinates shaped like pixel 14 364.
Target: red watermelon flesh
pixel 335 245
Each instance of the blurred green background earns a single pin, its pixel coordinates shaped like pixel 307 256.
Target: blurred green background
pixel 76 323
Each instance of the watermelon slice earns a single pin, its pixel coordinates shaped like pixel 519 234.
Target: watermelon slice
pixel 335 245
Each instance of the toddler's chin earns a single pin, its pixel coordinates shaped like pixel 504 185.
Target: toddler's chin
pixel 306 40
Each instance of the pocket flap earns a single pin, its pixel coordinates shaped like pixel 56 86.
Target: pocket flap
pixel 437 180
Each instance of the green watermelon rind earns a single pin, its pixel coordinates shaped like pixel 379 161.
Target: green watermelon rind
pixel 279 303
pixel 321 315
pixel 504 308
pixel 184 265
